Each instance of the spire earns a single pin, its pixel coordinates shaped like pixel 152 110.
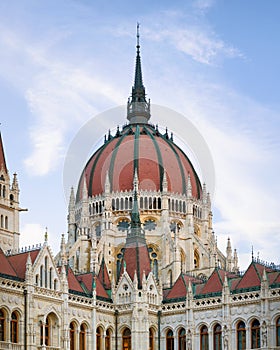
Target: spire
pixel 107 183
pixel 189 187
pixel 135 216
pixel 72 199
pixel 136 253
pixel 138 109
pixel 2 157
pixel 164 182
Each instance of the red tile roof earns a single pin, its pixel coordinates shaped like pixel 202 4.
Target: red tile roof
pixel 137 259
pixel 5 266
pixel 18 261
pixel 253 276
pixel 86 279
pixel 73 282
pixel 103 275
pixel 180 287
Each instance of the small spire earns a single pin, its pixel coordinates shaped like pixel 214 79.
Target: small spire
pixel 235 261
pixel 107 183
pixel 15 182
pixel 189 187
pixel 164 182
pixel 72 199
pixel 85 192
pixel 135 181
pixel 46 235
pixel 229 250
pixel 63 251
pixel 135 280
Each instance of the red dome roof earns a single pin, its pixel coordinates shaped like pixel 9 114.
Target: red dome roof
pixel 141 147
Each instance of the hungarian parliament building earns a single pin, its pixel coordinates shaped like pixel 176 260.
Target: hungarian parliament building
pixel 139 267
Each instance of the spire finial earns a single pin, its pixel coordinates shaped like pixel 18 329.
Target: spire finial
pixel 138 38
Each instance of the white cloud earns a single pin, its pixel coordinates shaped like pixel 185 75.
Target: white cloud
pixel 32 233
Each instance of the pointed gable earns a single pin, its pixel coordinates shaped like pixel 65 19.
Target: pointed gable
pixel 180 287
pixel 103 275
pixel 18 261
pixel 253 276
pixel 87 280
pixel 137 259
pixel 73 282
pixel 214 283
pixel 5 266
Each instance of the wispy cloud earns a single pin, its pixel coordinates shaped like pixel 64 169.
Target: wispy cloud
pixel 58 94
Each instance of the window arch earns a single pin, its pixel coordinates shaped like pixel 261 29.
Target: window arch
pixel 241 336
pixel 6 222
pixel 2 325
pixel 98 338
pixel 217 339
pixel 204 341
pixel 72 332
pixel 108 339
pixel 14 327
pixel 169 340
pixel 126 339
pixel 2 221
pixel 182 339
pixel 151 339
pixel 196 260
pixel 255 334
pixel 45 332
pixel 82 338
pixel 278 331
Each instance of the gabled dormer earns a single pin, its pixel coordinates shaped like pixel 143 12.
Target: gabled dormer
pixel 45 273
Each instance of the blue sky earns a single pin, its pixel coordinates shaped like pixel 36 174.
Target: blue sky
pixel 216 62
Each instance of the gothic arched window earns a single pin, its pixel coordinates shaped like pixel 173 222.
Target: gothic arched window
pixel 217 337
pixel 182 339
pixel 14 328
pixel 169 340
pixel 255 334
pixel 151 339
pixel 72 336
pixel 98 338
pixel 204 341
pixel 82 338
pixel 241 336
pixel 2 325
pixel 108 337
pixel 126 339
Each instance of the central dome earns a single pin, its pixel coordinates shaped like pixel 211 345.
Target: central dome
pixel 138 149
pixel 141 149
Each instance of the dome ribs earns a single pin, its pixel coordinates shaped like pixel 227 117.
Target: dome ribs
pixel 113 159
pixel 171 145
pixel 160 161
